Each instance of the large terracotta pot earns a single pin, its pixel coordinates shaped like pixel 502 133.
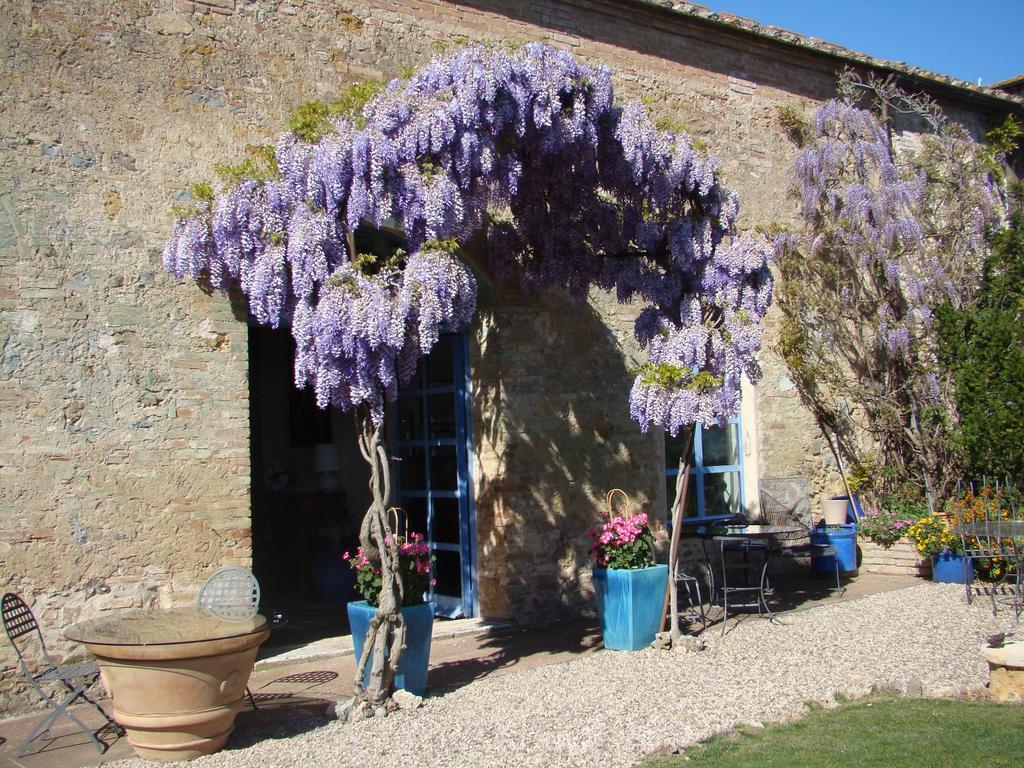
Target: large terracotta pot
pixel 176 699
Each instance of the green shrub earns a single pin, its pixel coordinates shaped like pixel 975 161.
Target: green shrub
pixel 983 346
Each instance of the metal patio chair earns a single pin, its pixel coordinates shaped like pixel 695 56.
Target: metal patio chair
pixel 71 682
pixel 231 594
pixel 984 546
pixel 774 512
pixel 997 537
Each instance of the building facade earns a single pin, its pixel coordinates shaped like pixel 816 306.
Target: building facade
pixel 148 434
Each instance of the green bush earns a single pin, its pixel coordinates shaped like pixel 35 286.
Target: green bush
pixel 983 346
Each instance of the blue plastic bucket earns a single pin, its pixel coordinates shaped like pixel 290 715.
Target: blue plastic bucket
pixel 844 539
pixel 629 605
pixel 412 667
pixel 948 568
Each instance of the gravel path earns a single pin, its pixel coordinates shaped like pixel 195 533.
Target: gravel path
pixel 609 708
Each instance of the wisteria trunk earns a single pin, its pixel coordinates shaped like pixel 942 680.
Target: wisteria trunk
pixel 679 514
pixel 385 638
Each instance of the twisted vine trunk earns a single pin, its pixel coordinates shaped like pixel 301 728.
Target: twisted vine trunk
pixel 670 605
pixel 385 638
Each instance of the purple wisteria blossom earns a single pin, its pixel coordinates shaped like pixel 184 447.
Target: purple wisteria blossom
pixel 856 199
pixel 574 192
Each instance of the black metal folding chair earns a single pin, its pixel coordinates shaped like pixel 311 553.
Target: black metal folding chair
pixel 231 594
pixel 984 546
pixel 70 681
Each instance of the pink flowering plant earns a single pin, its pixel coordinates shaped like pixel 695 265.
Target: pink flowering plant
pixel 887 526
pixel 414 567
pixel 625 543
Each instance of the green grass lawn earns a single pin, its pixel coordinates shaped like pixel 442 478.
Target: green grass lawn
pixel 874 733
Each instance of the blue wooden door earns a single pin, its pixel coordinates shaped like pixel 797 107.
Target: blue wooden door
pixel 431 439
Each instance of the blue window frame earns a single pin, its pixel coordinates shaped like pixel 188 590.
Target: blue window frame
pixel 716 472
pixel 430 434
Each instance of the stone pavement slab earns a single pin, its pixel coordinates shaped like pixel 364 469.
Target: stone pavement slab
pixel 292 687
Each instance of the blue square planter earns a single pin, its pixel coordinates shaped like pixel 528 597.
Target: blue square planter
pixel 948 568
pixel 419 622
pixel 629 605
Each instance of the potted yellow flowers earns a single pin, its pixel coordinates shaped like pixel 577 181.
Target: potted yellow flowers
pixel 933 538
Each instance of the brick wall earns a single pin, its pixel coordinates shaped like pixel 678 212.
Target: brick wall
pixel 124 454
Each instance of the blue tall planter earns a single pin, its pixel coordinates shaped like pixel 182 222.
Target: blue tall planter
pixel 629 605
pixel 844 539
pixel 948 568
pixel 412 667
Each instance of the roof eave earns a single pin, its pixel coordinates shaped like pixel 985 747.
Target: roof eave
pixel 932 81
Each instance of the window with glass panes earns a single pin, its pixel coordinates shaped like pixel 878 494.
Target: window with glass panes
pixel 716 472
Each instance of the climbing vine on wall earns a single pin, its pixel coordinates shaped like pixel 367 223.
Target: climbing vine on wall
pixel 887 236
pixel 571 191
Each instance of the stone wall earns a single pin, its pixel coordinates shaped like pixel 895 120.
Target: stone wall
pixel 901 559
pixel 553 434
pixel 124 439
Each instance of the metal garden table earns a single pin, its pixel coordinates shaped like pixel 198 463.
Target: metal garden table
pixel 756 543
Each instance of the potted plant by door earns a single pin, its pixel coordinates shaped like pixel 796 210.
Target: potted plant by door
pixel 629 585
pixel 933 538
pixel 414 563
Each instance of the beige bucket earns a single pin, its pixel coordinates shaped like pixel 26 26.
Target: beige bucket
pixel 835 511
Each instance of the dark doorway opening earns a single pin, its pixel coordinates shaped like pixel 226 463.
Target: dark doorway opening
pixel 310 488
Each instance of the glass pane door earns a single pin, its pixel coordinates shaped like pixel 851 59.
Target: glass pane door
pixel 430 438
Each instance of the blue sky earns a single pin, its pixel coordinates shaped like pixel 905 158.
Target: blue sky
pixel 983 38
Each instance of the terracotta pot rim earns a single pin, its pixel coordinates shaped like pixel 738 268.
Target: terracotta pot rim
pixel 193 649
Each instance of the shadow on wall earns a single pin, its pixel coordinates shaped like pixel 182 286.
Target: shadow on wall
pixel 553 434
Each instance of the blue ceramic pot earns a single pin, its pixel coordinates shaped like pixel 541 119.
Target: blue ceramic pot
pixel 629 605
pixel 412 667
pixel 948 568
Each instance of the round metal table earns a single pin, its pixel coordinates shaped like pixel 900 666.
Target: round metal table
pixel 756 543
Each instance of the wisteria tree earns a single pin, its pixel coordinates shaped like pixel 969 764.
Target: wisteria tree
pixel 887 237
pixel 571 191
